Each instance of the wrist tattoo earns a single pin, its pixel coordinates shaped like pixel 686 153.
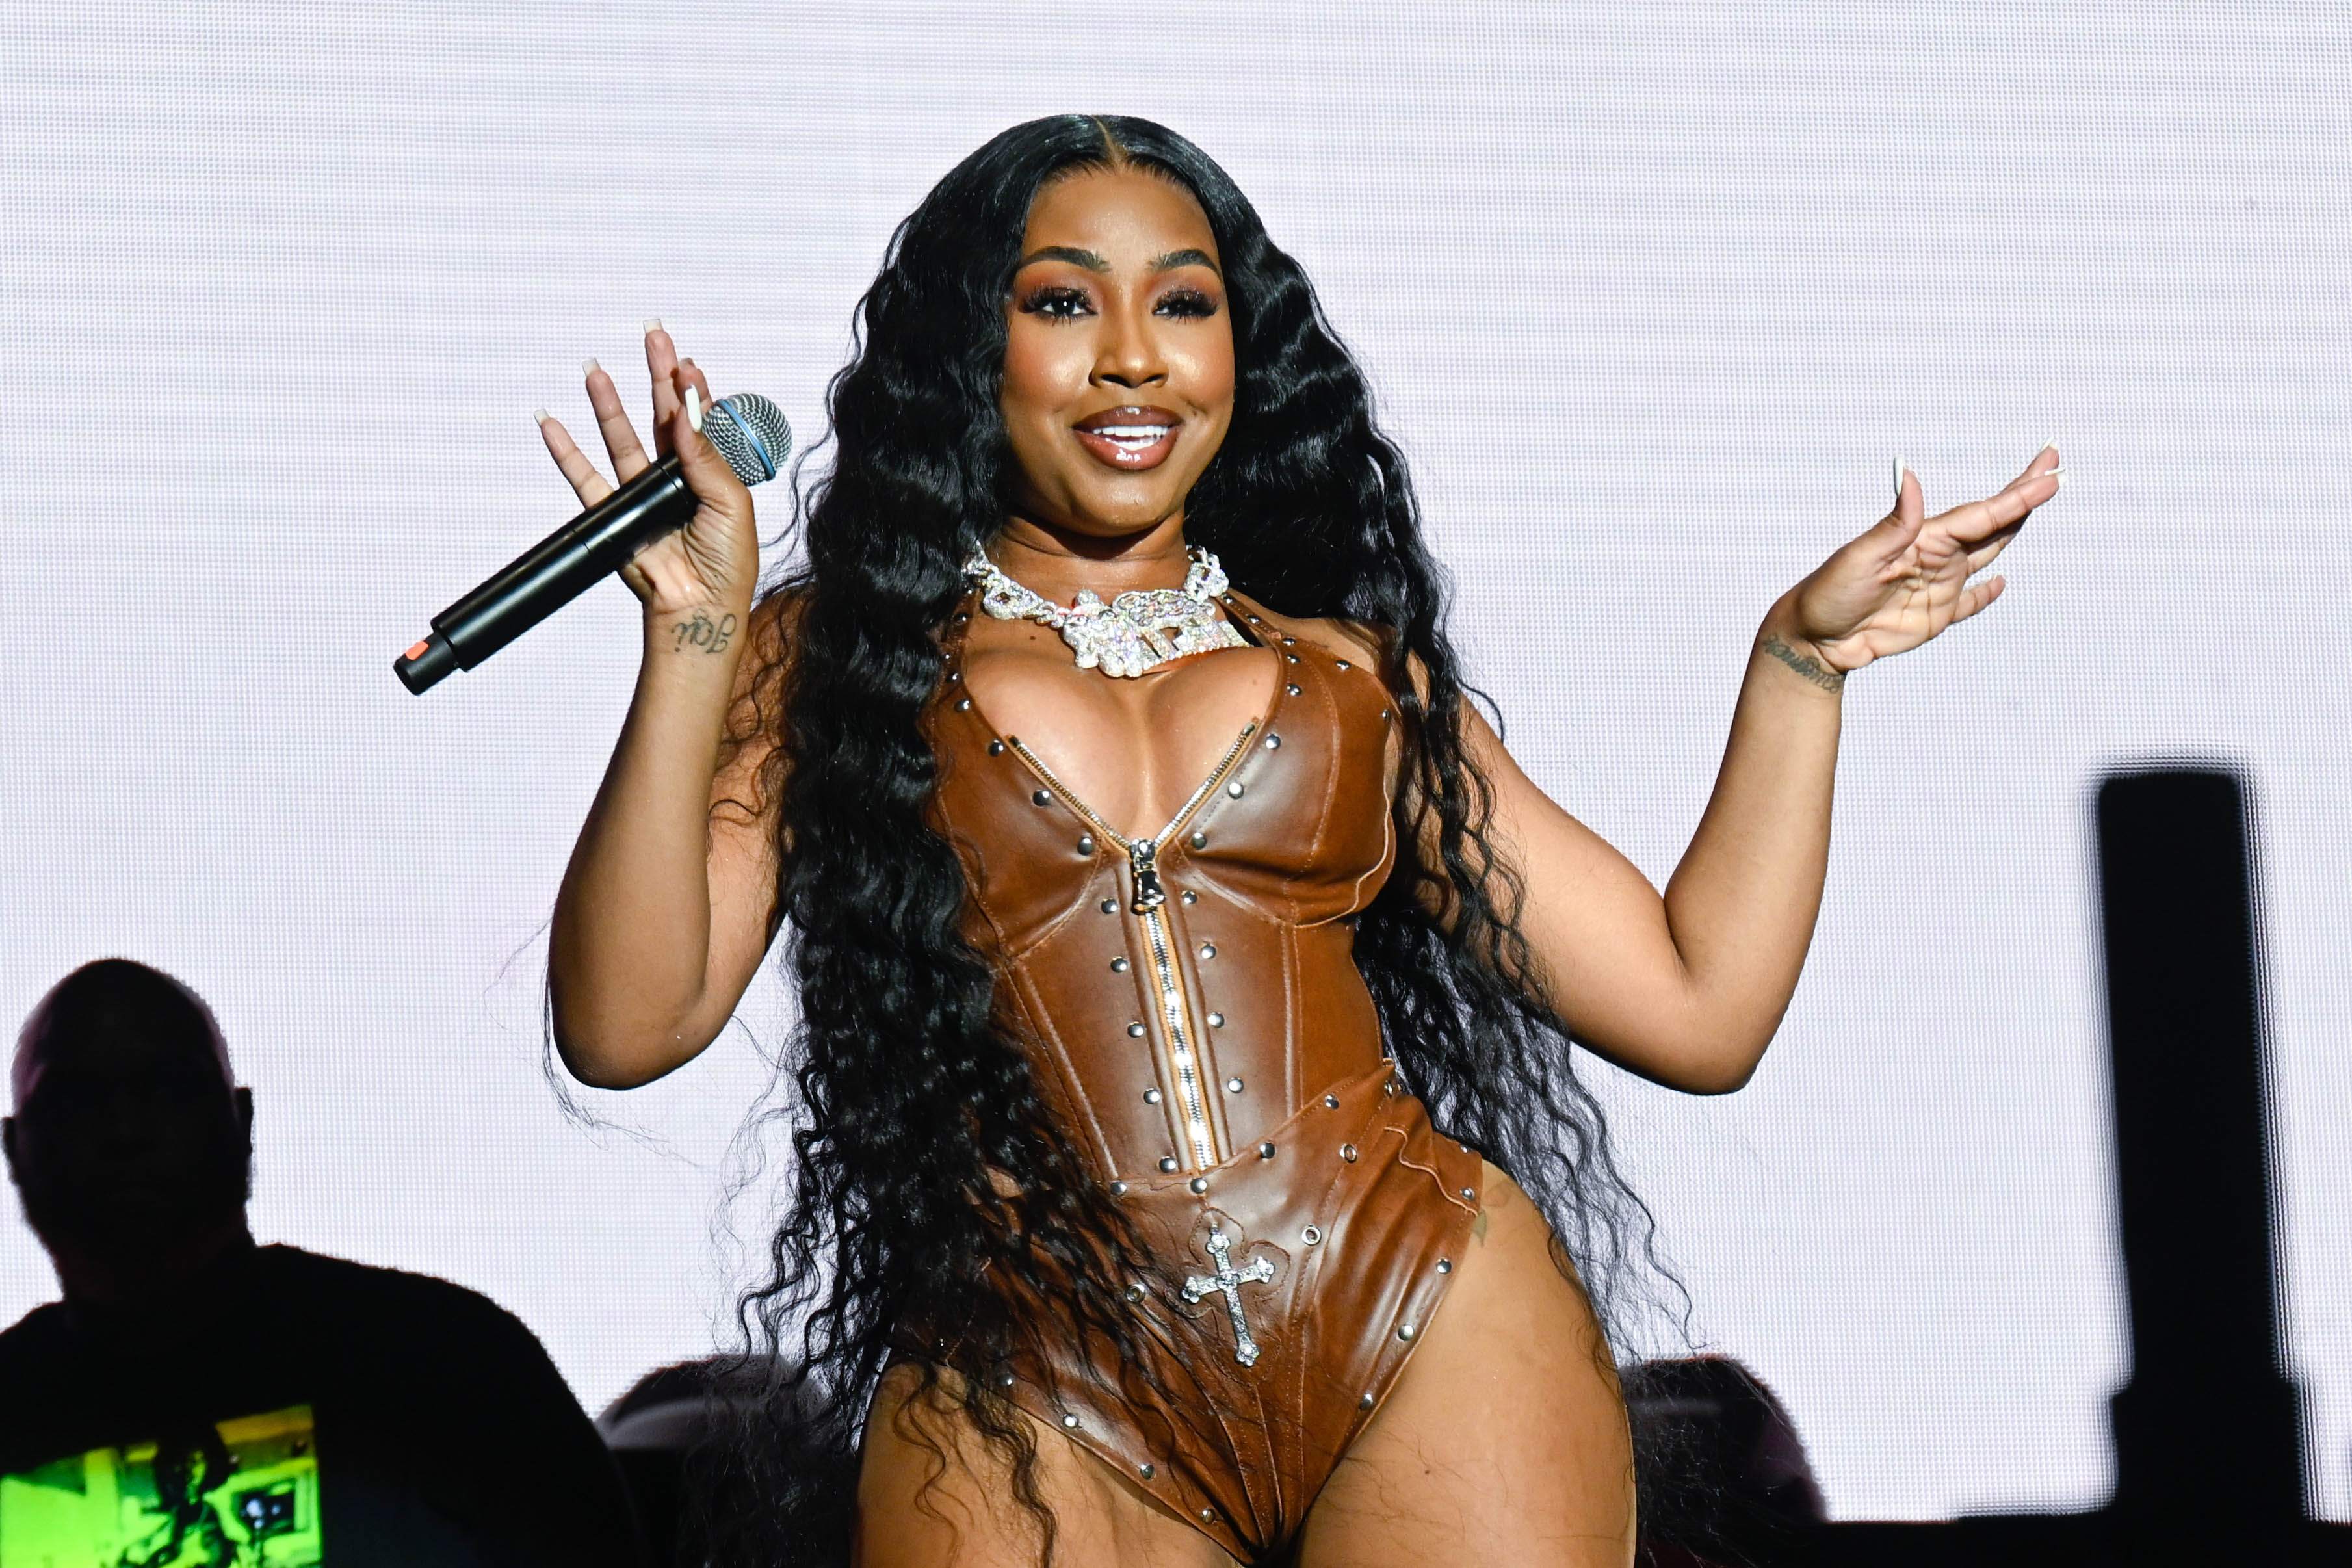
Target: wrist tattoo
pixel 701 631
pixel 1812 670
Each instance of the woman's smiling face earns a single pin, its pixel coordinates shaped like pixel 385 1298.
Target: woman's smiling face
pixel 1119 356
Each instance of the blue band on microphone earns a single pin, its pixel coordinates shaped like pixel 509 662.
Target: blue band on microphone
pixel 758 446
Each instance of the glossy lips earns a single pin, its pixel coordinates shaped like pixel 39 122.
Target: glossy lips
pixel 1131 438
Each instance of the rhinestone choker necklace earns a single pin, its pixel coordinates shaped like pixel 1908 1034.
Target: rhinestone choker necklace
pixel 1141 629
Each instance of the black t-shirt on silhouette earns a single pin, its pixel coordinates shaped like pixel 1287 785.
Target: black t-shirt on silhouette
pixel 444 1434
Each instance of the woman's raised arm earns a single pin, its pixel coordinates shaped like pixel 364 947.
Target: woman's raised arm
pixel 664 913
pixel 1687 987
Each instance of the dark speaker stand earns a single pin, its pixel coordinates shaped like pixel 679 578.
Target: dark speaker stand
pixel 2208 1456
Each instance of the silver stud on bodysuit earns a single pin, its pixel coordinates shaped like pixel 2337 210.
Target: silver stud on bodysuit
pixel 1040 797
pixel 1199 1183
pixel 1151 1097
pixel 1118 967
pixel 1233 1086
pixel 1347 1152
pixel 1168 1163
pixel 1330 1102
pixel 1135 1031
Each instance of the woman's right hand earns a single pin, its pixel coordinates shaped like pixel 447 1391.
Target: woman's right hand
pixel 713 565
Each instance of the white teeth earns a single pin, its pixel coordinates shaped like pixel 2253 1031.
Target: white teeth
pixel 1130 432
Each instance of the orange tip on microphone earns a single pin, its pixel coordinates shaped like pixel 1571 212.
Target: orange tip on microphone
pixel 419 651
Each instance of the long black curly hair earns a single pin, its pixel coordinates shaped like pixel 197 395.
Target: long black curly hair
pixel 927 1161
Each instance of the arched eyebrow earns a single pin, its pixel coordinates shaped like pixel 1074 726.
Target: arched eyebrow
pixel 1092 260
pixel 1175 258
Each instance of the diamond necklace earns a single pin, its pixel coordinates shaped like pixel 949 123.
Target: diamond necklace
pixel 1141 629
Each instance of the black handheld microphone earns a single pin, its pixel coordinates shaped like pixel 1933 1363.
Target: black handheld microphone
pixel 749 433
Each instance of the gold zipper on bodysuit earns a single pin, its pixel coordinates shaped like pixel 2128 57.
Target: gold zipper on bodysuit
pixel 1175 1009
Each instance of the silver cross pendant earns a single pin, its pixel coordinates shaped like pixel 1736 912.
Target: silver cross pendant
pixel 1227 1282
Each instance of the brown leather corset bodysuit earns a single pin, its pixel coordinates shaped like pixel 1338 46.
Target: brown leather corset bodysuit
pixel 1195 1017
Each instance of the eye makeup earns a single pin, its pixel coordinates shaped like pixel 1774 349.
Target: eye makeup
pixel 1186 302
pixel 1058 301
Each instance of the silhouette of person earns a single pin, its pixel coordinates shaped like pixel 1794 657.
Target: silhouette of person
pixel 1724 1479
pixel 444 1434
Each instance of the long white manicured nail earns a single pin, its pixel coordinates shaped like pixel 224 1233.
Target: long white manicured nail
pixel 589 367
pixel 693 408
pixel 1899 479
pixel 2047 446
pixel 539 415
pixel 653 325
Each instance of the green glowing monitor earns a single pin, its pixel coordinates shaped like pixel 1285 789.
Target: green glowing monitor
pixel 241 1494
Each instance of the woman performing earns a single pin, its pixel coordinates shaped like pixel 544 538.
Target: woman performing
pixel 1191 1165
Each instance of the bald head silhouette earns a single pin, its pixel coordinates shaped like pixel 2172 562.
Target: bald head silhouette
pixel 131 1145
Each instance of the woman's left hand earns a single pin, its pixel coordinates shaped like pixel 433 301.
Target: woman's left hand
pixel 1908 578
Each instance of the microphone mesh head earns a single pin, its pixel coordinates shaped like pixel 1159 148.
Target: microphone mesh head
pixel 751 434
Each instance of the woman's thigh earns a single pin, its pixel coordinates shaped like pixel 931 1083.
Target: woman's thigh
pixel 1504 1442
pixel 921 1506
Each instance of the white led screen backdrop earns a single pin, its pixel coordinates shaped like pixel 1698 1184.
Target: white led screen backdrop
pixel 1650 302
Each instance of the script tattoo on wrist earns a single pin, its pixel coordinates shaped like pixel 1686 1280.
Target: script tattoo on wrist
pixel 1812 670
pixel 701 631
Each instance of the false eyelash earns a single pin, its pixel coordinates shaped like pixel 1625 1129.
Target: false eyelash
pixel 1193 303
pixel 1042 303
